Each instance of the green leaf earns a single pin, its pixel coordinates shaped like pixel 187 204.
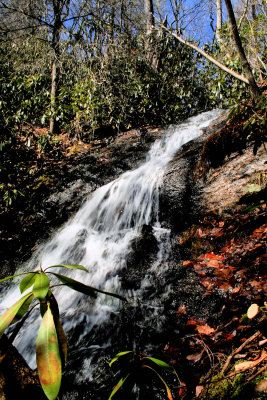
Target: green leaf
pixel 41 286
pixel 160 377
pixel 48 356
pixel 118 386
pixel 119 355
pixel 162 364
pixel 27 281
pixel 10 314
pixel 62 341
pixel 70 266
pixel 23 309
pixel 75 285
pixel 13 276
pixel 85 289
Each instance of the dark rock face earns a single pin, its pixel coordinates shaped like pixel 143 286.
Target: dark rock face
pixel 144 251
pixel 179 190
pixel 17 380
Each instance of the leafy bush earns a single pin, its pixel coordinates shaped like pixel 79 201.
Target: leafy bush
pixel 137 369
pixel 51 345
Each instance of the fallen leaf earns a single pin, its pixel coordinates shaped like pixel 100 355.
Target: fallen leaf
pixel 188 263
pixel 199 390
pixel 244 366
pixel 213 264
pixel 191 321
pixel 195 357
pixel 181 310
pixel 183 390
pixel 253 311
pixel 205 330
pixel 236 290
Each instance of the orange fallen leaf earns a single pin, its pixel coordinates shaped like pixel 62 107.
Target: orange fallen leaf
pixel 183 390
pixel 213 264
pixel 205 330
pixel 181 310
pixel 199 390
pixel 188 263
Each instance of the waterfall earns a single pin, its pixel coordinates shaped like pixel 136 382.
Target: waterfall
pixel 99 237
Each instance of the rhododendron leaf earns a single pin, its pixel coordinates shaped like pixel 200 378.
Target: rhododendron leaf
pixel 41 286
pixel 117 356
pixel 10 314
pixel 48 356
pixel 27 281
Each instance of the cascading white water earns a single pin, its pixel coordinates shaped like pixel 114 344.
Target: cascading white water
pixel 99 235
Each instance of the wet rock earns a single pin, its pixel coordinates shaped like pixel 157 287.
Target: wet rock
pixel 144 251
pixel 17 380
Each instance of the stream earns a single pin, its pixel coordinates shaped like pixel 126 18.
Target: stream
pixel 101 237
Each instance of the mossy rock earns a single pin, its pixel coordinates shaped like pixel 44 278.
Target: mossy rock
pixel 235 388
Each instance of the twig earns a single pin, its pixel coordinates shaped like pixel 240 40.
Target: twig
pixel 253 337
pixel 257 373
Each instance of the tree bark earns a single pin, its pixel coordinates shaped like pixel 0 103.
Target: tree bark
pixel 219 21
pixel 54 126
pixel 150 21
pixel 208 57
pixel 251 80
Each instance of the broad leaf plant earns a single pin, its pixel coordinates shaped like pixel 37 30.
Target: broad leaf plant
pixel 51 344
pixel 134 368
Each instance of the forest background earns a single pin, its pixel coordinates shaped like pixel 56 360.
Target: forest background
pixel 95 68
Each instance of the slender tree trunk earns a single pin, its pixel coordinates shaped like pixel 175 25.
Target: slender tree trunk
pixel 54 126
pixel 252 83
pixel 149 10
pixel 152 55
pixel 219 21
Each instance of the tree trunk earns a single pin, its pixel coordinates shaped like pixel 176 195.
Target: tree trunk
pixel 54 126
pixel 149 10
pixel 252 83
pixel 219 21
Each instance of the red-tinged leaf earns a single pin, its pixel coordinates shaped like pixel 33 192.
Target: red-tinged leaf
pixel 118 386
pixel 221 224
pixel 200 233
pixel 211 256
pixel 182 390
pixel 236 289
pixel 181 310
pixel 48 356
pixel 225 286
pixel 199 390
pixel 207 283
pixel 255 284
pixel 188 263
pixel 10 314
pixel 213 264
pixel 200 270
pixel 191 321
pixel 205 330
pixel 216 232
